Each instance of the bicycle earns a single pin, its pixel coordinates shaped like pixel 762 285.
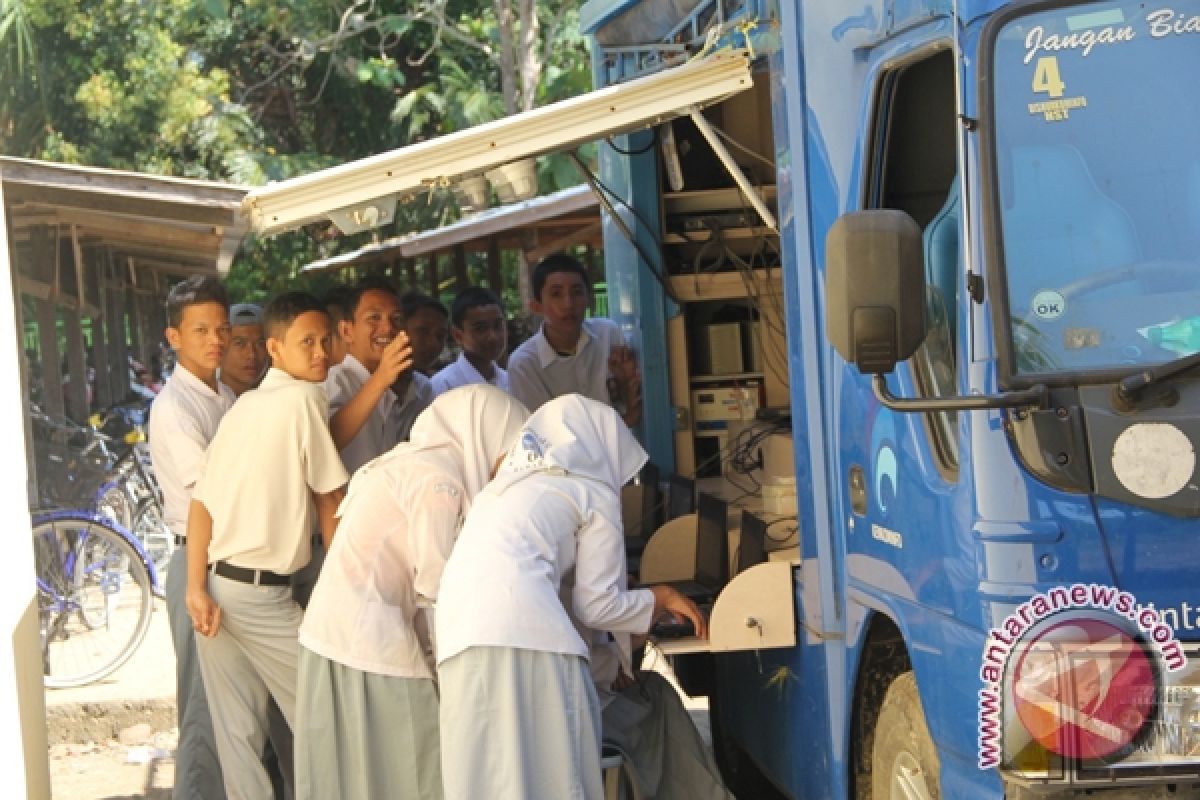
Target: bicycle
pixel 108 453
pixel 133 475
pixel 95 587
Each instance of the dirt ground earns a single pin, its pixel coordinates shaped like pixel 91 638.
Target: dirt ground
pixel 115 739
pixel 112 770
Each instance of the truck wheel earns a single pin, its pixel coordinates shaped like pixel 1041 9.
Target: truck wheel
pixel 904 762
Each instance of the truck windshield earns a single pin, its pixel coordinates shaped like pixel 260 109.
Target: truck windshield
pixel 1097 147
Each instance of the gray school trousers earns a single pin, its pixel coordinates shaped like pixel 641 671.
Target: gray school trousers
pixel 197 769
pixel 251 660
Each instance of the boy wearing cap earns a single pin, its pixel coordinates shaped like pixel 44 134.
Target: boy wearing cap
pixel 478 326
pixel 183 420
pixel 245 361
pixel 243 546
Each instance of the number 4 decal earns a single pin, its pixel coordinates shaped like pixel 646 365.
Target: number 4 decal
pixel 1046 78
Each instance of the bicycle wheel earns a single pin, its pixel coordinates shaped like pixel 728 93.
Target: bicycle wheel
pixel 94 598
pixel 157 539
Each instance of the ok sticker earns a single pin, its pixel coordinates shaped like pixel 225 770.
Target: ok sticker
pixel 1048 304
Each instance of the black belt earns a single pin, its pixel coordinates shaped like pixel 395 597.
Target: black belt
pixel 257 577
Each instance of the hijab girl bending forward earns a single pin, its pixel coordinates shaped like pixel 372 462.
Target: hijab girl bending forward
pixel 520 717
pixel 367 708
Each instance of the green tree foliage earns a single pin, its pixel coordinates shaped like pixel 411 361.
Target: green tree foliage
pixel 248 91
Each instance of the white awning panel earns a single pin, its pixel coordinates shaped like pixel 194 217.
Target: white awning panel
pixel 606 112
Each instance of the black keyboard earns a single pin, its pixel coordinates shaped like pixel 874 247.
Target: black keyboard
pixel 670 629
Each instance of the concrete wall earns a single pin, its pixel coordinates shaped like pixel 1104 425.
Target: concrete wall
pixel 23 761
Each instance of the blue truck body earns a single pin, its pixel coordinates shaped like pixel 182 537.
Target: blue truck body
pixel 944 549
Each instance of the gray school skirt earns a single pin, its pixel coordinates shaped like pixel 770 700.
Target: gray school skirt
pixel 363 736
pixel 519 725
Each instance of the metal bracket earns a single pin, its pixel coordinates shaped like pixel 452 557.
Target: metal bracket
pixel 752 194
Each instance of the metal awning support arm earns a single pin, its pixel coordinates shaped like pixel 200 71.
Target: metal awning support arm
pixel 735 171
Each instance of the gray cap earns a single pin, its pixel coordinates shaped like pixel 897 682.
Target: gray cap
pixel 245 314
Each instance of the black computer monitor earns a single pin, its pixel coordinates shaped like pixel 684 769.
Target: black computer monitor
pixel 752 542
pixel 651 516
pixel 682 497
pixel 712 541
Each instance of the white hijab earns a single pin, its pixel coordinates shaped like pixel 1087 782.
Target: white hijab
pixel 573 435
pixel 469 428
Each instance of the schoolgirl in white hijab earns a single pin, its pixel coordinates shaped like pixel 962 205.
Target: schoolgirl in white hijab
pixel 519 711
pixel 366 701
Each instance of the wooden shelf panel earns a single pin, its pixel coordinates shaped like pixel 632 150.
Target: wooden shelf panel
pixel 698 237
pixel 734 376
pixel 755 611
pixel 725 285
pixel 706 200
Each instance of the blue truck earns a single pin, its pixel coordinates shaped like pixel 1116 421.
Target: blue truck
pixel 952 244
pixel 982 219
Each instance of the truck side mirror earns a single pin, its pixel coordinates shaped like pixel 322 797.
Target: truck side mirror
pixel 875 288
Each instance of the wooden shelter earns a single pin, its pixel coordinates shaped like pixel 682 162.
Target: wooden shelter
pixel 92 253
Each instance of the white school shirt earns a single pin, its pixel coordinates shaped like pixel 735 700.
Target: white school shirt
pixel 537 373
pixel 271 452
pixel 183 420
pixel 416 399
pixel 343 382
pixel 501 585
pixel 462 372
pixel 551 518
pixel 398 524
pixel 393 541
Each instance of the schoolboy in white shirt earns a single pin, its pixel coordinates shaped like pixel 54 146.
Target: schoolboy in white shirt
pixel 426 322
pixel 572 353
pixel 245 361
pixel 478 326
pixel 362 401
pixel 183 420
pixel 270 471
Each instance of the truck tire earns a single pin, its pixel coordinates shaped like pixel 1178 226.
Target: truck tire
pixel 904 762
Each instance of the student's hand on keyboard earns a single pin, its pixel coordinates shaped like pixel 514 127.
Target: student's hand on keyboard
pixel 668 599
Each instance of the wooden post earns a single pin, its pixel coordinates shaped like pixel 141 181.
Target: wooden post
pixel 461 279
pixel 118 362
pixel 495 269
pixel 51 372
pixel 431 274
pixel 101 353
pixel 76 394
pixel 44 247
pixel 75 377
pixel 524 283
pixel 136 298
